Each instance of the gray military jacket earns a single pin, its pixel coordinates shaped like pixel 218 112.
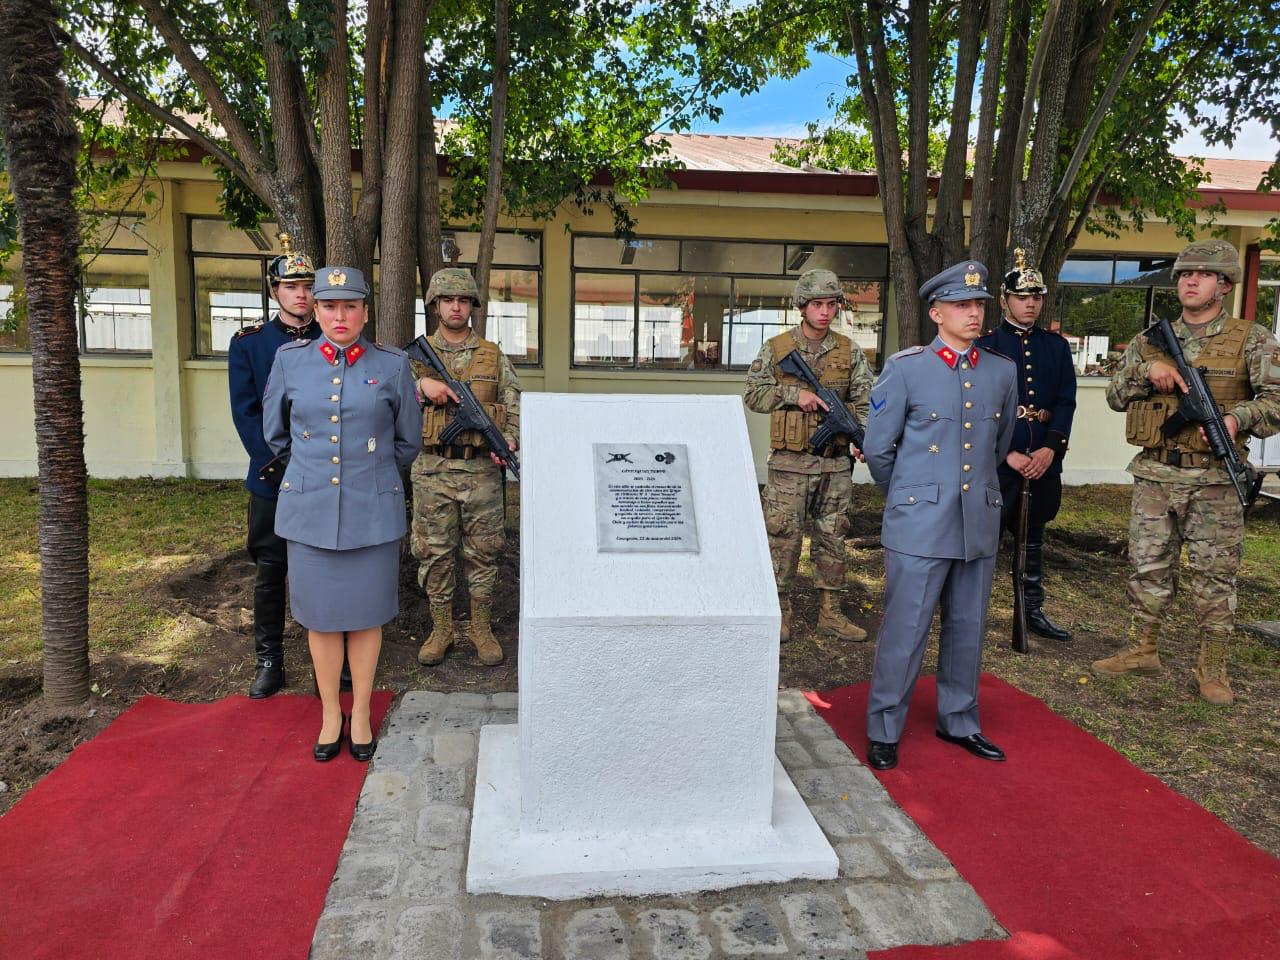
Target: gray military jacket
pixel 939 426
pixel 350 427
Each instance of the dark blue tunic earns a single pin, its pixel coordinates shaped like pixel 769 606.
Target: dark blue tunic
pixel 248 362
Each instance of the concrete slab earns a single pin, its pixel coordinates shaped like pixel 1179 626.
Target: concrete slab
pixel 563 866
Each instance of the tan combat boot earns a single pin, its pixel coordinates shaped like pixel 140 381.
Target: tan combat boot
pixel 784 633
pixel 433 650
pixel 487 647
pixel 1140 656
pixel 1211 673
pixel 833 623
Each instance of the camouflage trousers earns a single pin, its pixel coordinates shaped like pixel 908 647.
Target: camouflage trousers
pixel 1209 520
pixel 455 506
pixel 824 497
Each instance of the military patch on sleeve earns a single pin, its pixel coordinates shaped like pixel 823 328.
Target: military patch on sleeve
pixel 757 365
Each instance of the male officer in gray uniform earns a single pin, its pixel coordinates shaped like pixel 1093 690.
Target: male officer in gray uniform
pixel 941 420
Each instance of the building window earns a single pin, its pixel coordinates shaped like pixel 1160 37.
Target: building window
pixel 1267 311
pixel 113 312
pixel 1101 302
pixel 654 303
pixel 229 269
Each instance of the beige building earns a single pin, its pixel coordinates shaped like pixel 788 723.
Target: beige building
pixel 682 308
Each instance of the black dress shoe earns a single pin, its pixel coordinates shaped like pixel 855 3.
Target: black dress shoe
pixel 269 679
pixel 1038 622
pixel 882 756
pixel 363 751
pixel 975 743
pixel 327 751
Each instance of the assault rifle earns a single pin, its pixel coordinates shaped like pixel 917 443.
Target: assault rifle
pixel 838 419
pixel 468 414
pixel 1197 406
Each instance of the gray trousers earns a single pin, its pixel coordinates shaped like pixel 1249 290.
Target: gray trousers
pixel 914 587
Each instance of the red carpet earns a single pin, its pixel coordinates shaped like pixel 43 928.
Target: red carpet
pixel 183 830
pixel 1078 854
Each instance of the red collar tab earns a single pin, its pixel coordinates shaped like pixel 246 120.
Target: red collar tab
pixel 973 357
pixel 330 352
pixel 948 356
pixel 354 353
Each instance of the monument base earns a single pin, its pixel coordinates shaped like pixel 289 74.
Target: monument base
pixel 560 866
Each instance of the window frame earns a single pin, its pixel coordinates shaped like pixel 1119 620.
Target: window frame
pixel 724 369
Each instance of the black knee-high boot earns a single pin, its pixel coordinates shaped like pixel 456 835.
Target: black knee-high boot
pixel 268 629
pixel 1038 621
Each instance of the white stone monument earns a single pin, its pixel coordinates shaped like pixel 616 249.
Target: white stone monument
pixel 643 761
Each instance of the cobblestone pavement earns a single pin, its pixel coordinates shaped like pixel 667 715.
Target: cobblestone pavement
pixel 399 888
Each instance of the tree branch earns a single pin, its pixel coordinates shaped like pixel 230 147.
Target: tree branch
pixel 497 144
pixel 167 117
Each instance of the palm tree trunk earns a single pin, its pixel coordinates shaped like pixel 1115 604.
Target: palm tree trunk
pixel 41 143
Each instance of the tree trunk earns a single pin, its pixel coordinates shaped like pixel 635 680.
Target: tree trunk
pixel 430 232
pixel 369 207
pixel 497 142
pixel 398 249
pixel 948 221
pixel 41 144
pixel 335 146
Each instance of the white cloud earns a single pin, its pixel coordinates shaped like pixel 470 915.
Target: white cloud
pixel 1255 141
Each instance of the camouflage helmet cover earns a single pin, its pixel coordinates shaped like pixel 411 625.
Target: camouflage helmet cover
pixel 1212 256
pixel 452 282
pixel 817 285
pixel 290 265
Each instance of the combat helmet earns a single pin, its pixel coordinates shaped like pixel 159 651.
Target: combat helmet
pixel 1023 279
pixel 452 282
pixel 290 265
pixel 817 285
pixel 1212 256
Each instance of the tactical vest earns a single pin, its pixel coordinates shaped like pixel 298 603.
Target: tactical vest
pixel 1226 375
pixel 482 377
pixel 790 428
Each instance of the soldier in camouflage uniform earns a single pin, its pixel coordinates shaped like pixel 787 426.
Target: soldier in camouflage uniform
pixel 457 488
pixel 803 484
pixel 1181 493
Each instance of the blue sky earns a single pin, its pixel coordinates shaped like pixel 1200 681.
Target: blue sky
pixel 782 108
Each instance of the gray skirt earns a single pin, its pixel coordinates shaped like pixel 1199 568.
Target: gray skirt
pixel 333 590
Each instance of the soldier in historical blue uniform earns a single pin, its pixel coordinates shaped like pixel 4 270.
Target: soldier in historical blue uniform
pixel 346 413
pixel 248 362
pixel 1046 407
pixel 941 420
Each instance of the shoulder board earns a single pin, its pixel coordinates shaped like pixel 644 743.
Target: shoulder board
pixel 391 350
pixel 248 331
pixel 994 352
pixel 909 352
pixel 293 345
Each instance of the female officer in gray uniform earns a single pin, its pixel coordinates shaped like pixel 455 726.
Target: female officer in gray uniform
pixel 345 409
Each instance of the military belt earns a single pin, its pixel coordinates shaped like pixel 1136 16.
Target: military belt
pixel 1178 458
pixel 453 451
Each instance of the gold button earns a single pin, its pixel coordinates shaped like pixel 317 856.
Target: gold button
pixel 334 481
pixel 964 486
pixel 966 468
pixel 337 379
pixel 333 418
pixel 967 385
pixel 333 397
pixel 933 416
pixel 968 446
pixel 968 425
pixel 333 439
pixel 911 499
pixel 1028 353
pixel 997 414
pixel 1031 393
pixel 286 486
pixel 335 460
pixel 968 404
pixel 964 366
pixel 1028 366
